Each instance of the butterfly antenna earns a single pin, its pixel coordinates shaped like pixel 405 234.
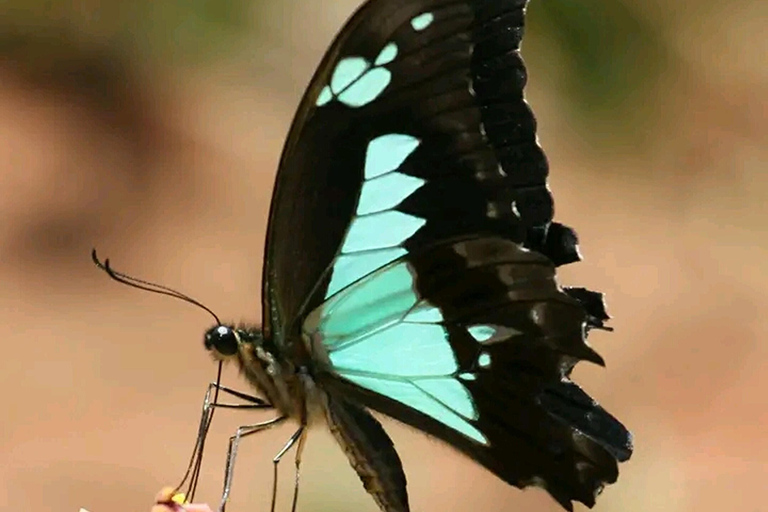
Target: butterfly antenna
pixel 147 285
pixel 192 475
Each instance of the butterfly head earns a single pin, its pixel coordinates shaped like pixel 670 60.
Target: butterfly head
pixel 261 362
pixel 225 341
pixel 222 341
pixel 246 345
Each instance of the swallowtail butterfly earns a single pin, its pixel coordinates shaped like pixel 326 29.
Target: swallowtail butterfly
pixel 410 261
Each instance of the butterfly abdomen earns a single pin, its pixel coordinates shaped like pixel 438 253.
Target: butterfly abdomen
pixel 370 452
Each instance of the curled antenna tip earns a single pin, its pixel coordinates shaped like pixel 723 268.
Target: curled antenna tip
pixel 103 265
pixel 95 258
pixel 146 285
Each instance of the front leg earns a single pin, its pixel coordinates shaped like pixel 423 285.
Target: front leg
pixel 234 442
pixel 210 403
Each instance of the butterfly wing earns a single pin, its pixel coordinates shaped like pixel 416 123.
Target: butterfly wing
pixel 411 242
pixel 473 341
pixel 437 83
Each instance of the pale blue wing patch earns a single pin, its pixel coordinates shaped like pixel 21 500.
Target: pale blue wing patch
pixel 424 313
pixel 380 334
pixel 422 21
pixel 356 82
pixel 452 393
pixel 325 96
pixel 366 88
pixel 403 350
pixel 387 54
pixel 487 334
pixel 481 333
pixel 484 360
pixel 388 152
pixel 347 71
pixel 408 394
pixel 377 232
pixel 385 192
pixel 379 300
pixel 348 268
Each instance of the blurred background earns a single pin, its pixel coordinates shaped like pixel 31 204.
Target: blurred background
pixel 152 130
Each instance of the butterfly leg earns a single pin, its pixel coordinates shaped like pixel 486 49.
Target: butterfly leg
pixel 234 442
pixel 299 451
pixel 211 401
pixel 297 436
pixel 255 402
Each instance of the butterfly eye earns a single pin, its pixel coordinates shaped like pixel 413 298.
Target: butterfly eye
pixel 222 339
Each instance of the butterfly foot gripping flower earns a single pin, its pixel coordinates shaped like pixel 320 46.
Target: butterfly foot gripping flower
pixel 168 500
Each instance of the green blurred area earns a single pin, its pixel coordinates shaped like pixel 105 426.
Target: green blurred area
pixel 614 58
pixel 174 31
pixel 610 55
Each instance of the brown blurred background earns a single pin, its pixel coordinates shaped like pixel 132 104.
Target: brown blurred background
pixel 152 131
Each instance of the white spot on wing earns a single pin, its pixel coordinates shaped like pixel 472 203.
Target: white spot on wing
pixel 356 82
pixel 408 394
pixel 422 21
pixel 404 349
pixel 481 332
pixel 379 300
pixel 451 393
pixel 324 97
pixel 387 152
pixel 487 334
pixel 347 71
pixel 348 268
pixel 376 234
pixel 387 54
pixel 385 192
pixel 366 88
pixel 380 230
pixel 424 313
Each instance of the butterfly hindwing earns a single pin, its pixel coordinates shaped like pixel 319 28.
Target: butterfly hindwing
pixel 476 352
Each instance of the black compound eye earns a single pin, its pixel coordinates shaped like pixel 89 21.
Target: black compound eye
pixel 222 339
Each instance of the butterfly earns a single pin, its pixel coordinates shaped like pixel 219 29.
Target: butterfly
pixel 410 262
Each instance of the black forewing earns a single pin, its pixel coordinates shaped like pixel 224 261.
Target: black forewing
pixel 458 86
